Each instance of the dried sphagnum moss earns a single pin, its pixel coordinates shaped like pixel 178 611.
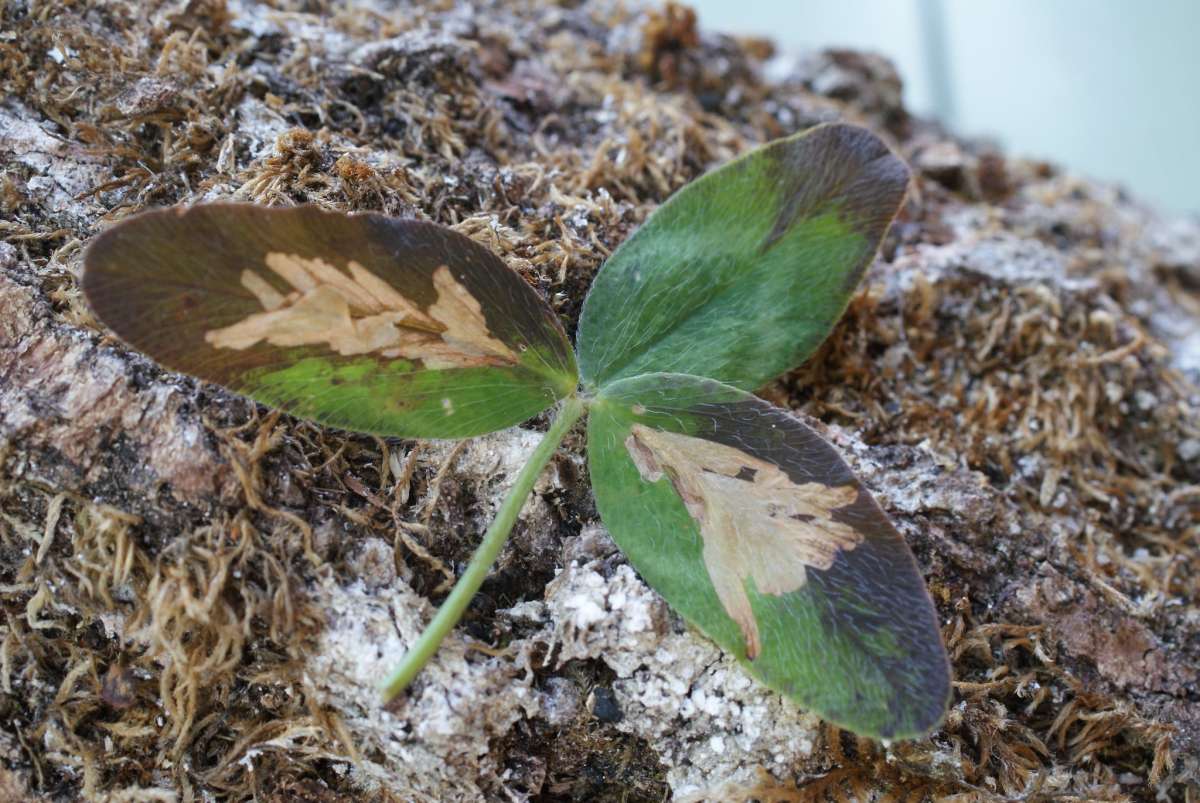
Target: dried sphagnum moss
pixel 166 554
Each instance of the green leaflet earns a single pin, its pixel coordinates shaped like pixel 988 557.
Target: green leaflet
pixel 752 527
pixel 365 322
pixel 741 274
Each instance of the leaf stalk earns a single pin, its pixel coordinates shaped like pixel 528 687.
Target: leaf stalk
pixel 485 554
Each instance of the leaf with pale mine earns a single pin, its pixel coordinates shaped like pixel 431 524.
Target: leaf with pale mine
pixel 756 523
pixel 755 530
pixel 365 322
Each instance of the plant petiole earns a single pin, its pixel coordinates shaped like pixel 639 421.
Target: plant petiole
pixel 485 554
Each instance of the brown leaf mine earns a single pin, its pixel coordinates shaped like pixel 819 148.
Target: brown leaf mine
pixel 755 521
pixel 359 313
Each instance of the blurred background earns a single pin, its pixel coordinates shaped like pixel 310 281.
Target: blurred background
pixel 1107 88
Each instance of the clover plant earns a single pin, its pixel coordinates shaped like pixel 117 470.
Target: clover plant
pixel 745 520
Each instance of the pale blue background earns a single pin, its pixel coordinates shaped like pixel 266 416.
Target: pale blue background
pixel 1108 88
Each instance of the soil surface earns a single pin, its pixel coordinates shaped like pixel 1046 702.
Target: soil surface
pixel 199 595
